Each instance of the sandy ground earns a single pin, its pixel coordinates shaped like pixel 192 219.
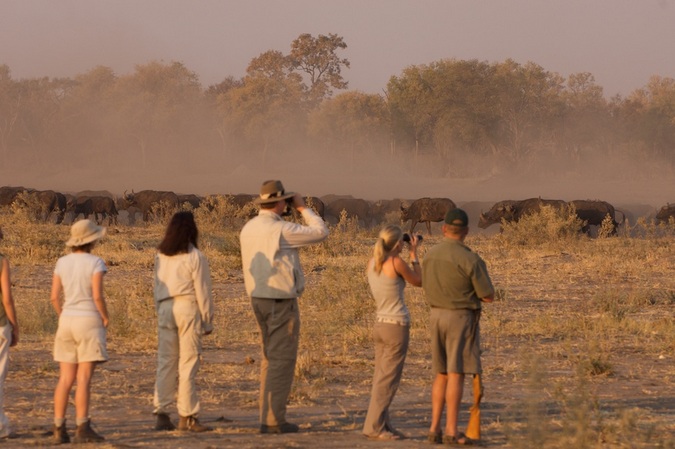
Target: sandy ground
pixel 331 418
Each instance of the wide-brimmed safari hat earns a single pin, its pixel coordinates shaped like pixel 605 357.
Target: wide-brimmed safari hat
pixel 83 232
pixel 271 192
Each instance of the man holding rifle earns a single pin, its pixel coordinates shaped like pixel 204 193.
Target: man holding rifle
pixel 456 283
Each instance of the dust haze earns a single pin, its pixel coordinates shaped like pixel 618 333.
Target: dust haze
pixel 313 168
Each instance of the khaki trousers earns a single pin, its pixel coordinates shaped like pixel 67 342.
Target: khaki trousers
pixel 391 346
pixel 5 341
pixel 279 322
pixel 180 345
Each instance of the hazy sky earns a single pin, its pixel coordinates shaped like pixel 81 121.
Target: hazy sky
pixel 621 42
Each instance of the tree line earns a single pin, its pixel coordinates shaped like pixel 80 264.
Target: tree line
pixel 460 117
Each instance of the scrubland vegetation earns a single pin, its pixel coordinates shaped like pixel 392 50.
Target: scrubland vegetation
pixel 578 346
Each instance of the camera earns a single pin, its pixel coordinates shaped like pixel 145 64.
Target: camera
pixel 288 208
pixel 406 238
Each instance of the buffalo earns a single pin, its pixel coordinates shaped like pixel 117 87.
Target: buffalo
pixel 44 202
pixel 513 211
pixel 8 194
pixel 92 193
pixel 193 200
pixel 50 202
pixel 244 204
pixel 426 210
pixel 666 213
pixel 241 199
pixel 101 207
pixel 353 207
pixel 146 199
pixel 593 213
pixel 381 209
pixel 316 204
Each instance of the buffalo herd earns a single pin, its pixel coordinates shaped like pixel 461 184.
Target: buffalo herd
pixel 590 212
pixel 103 205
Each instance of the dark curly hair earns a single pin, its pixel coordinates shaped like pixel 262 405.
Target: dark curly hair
pixel 180 233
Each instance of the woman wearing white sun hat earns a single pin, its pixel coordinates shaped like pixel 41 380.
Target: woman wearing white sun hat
pixel 80 342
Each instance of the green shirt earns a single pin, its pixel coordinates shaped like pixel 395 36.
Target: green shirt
pixel 454 277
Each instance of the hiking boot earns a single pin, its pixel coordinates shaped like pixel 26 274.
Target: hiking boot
pixel 191 424
pixel 85 434
pixel 163 422
pixel 286 427
pixel 61 434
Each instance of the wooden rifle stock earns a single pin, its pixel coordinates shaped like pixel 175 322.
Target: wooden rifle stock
pixel 473 428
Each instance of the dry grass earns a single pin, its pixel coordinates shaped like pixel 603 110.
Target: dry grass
pixel 578 347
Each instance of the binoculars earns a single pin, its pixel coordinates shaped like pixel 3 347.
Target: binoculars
pixel 406 238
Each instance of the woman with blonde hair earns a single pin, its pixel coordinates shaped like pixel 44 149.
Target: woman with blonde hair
pixel 387 276
pixel 80 342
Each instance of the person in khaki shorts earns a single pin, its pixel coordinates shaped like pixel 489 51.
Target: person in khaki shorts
pixel 274 280
pixel 9 336
pixel 80 342
pixel 184 303
pixel 456 283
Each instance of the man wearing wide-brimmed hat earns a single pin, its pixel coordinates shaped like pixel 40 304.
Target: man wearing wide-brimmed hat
pixel 274 280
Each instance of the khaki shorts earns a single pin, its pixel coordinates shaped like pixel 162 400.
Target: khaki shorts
pixel 455 341
pixel 80 339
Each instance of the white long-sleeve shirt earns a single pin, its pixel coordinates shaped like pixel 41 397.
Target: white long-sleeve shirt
pixel 269 253
pixel 185 274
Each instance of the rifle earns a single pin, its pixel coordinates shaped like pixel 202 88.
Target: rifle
pixel 473 428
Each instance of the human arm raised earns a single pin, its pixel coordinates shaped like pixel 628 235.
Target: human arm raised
pixel 412 276
pixel 294 235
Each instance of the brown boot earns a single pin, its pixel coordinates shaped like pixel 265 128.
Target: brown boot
pixel 61 434
pixel 85 434
pixel 191 424
pixel 163 422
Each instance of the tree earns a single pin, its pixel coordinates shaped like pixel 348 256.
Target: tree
pixel 586 121
pixel 528 104
pixel 268 107
pixel 318 59
pixel 464 104
pixel 158 109
pixel 351 122
pixel 411 107
pixel 85 117
pixel 654 116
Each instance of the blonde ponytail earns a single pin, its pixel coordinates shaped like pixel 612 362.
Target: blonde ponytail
pixel 388 238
